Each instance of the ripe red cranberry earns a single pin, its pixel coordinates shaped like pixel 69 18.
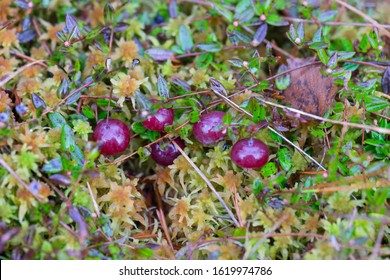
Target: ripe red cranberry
pixel 249 153
pixel 165 152
pixel 162 118
pixel 209 129
pixel 113 135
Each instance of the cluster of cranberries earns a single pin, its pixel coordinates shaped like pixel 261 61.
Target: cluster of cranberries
pixel 114 137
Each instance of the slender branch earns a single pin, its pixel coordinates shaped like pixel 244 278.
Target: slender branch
pixel 335 23
pixel 363 15
pixel 355 125
pixel 38 30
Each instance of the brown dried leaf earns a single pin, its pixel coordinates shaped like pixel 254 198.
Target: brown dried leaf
pixel 309 90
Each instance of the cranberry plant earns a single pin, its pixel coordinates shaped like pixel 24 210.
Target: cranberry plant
pixel 240 129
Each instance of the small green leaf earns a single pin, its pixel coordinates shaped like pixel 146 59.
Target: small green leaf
pixel 109 14
pixel 276 20
pixel 88 112
pixel 323 56
pixel 269 169
pixel 282 82
pixel 145 252
pixel 224 12
pixel 194 116
pixel 375 104
pixel 257 186
pixel 284 157
pixel 204 60
pixel 57 120
pixel 67 138
pixel 184 38
pixel 227 119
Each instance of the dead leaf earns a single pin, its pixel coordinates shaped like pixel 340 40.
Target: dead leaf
pixel 309 90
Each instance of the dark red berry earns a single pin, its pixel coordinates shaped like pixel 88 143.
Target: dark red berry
pixel 162 118
pixel 209 129
pixel 113 135
pixel 249 153
pixel 165 152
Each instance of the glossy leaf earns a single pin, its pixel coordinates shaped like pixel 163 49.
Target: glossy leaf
pixel 185 39
pixel 217 87
pixel 284 158
pixel 159 54
pixel 260 34
pixel 53 166
pixel 282 82
pixel 38 102
pixel 386 81
pixel 162 88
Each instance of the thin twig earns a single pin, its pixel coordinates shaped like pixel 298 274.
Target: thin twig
pixel 38 30
pixel 209 184
pixel 336 23
pixel 348 124
pixel 363 15
pixel 6 78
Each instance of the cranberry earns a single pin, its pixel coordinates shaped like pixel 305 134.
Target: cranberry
pixel 113 135
pixel 209 129
pixel 159 120
pixel 249 153
pixel 165 152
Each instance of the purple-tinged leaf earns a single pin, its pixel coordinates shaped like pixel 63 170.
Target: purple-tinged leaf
pixel 213 47
pixel 53 166
pixel 159 54
pixel 318 35
pixel 76 216
pixel 328 15
pixel 22 4
pixel 301 30
pixel 64 88
pixel 60 35
pixel 38 102
pixel 70 24
pixel 386 81
pixel 244 37
pixel 7 236
pixel 35 187
pixel 61 179
pixel 184 39
pixel 292 32
pixel 332 62
pixel 121 26
pixel 236 62
pixel 26 23
pixel 26 36
pixel 162 88
pixel 260 34
pixel 182 84
pixel 217 87
pixel 173 9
